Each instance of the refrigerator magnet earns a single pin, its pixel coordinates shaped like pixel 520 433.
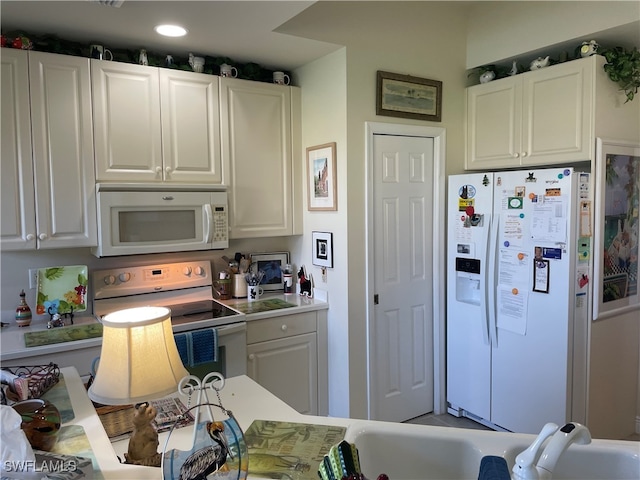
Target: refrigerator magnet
pixel 541 276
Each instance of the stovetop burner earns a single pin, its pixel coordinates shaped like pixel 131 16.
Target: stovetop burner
pixel 200 310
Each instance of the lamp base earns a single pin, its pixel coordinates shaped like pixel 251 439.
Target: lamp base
pixel 143 444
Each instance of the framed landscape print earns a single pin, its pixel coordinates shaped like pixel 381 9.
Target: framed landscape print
pixel 408 97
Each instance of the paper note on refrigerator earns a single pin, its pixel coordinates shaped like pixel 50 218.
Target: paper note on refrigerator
pixel 549 219
pixel 514 267
pixel 512 309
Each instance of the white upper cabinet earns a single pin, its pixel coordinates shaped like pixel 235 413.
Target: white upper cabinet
pixel 547 117
pixel 51 181
pixel 261 153
pixel 536 118
pixel 155 125
pixel 17 192
pixel 190 115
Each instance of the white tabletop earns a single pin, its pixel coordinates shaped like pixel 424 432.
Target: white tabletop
pixel 245 398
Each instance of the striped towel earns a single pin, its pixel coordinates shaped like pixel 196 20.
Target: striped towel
pixel 197 347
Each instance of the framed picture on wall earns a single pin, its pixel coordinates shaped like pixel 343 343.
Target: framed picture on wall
pixel 408 97
pixel 322 249
pixel 321 173
pixel 617 228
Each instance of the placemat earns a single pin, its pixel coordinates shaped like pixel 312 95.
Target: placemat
pixel 289 450
pixel 63 334
pixel 72 440
pixel 262 305
pixel 59 396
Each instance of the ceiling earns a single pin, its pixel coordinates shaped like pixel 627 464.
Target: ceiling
pixel 243 31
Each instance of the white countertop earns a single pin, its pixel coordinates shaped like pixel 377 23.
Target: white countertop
pixel 12 343
pixel 249 401
pixel 302 304
pixel 245 398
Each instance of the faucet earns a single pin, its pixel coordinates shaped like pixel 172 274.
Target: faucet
pixel 524 468
pixel 572 432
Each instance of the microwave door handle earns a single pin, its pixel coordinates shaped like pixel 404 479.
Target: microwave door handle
pixel 208 223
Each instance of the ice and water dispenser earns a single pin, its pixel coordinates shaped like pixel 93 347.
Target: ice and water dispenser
pixel 468 280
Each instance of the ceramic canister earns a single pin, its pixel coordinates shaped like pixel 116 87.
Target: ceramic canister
pixel 40 422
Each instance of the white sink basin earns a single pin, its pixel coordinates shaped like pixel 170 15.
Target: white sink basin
pixel 410 452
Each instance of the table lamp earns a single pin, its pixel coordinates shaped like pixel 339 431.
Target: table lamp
pixel 139 362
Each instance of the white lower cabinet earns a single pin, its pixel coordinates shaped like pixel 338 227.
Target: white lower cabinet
pixel 48 174
pixel 287 356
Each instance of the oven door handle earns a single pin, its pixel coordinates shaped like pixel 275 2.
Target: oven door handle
pixel 230 329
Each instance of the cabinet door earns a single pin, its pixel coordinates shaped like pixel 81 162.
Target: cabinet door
pixel 256 151
pixel 126 109
pixel 288 368
pixel 190 127
pixel 494 113
pixel 63 150
pixel 17 192
pixel 557 114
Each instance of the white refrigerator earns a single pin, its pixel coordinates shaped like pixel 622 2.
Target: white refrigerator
pixel 518 297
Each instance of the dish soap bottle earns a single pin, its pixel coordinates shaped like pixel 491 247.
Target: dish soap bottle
pixel 23 312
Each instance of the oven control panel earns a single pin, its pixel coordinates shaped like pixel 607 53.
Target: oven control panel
pixel 135 280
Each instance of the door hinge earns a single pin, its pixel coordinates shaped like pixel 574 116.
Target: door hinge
pixel 375 299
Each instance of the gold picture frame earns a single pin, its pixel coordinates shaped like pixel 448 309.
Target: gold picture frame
pixel 408 97
pixel 322 177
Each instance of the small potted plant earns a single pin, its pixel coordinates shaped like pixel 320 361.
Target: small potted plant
pixel 623 67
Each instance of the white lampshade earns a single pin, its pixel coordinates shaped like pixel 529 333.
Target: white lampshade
pixel 139 359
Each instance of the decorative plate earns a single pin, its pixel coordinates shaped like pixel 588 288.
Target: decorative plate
pixel 62 290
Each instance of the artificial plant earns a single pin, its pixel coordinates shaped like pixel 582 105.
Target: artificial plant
pixel 623 67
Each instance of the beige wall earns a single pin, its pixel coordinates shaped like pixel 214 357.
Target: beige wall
pixel 401 38
pixel 435 40
pixel 325 120
pixel 499 30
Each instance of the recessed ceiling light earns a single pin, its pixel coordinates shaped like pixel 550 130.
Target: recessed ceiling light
pixel 171 30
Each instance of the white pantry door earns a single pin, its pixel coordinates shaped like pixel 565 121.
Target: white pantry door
pixel 402 325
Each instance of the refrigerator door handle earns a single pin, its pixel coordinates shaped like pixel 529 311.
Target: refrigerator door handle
pixel 490 291
pixel 484 284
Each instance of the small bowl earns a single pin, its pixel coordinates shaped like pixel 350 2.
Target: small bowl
pixel 40 422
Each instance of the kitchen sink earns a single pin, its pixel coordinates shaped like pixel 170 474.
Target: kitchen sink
pixel 408 451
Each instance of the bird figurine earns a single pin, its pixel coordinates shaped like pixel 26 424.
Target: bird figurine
pixel 142 58
pixel 514 69
pixel 209 459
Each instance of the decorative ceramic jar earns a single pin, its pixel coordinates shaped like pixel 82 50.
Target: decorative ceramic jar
pixel 40 422
pixel 23 312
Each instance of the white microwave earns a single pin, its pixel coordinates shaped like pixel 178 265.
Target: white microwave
pixel 139 219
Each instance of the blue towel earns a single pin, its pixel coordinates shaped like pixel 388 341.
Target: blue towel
pixel 493 468
pixel 198 347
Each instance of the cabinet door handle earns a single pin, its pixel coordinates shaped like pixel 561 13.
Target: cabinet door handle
pixel 158 170
pixel 516 155
pixel 167 169
pixel 284 327
pixel 252 357
pixel 524 154
pixel 30 236
pixel 43 236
